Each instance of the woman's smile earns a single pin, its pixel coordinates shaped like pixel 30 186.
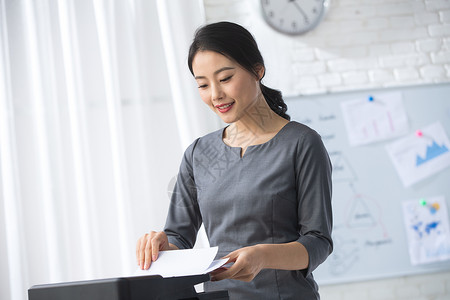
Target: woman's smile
pixel 223 108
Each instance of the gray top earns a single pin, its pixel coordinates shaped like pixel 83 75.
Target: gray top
pixel 278 192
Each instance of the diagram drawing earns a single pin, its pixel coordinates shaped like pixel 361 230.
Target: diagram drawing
pixel 432 151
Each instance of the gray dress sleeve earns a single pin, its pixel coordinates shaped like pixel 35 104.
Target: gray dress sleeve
pixel 313 171
pixel 184 218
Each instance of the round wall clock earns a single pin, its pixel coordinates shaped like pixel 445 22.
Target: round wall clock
pixel 293 17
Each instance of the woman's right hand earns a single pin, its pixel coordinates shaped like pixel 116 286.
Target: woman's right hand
pixel 148 247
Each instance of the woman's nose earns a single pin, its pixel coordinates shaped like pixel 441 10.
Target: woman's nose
pixel 216 93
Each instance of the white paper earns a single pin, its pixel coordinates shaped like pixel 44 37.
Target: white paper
pixel 216 264
pixel 416 158
pixel 427 228
pixel 184 262
pixel 372 121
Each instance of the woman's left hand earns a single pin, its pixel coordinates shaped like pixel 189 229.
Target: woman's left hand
pixel 248 262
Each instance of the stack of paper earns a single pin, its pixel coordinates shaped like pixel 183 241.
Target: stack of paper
pixel 184 262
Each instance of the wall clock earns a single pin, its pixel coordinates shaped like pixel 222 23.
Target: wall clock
pixel 293 17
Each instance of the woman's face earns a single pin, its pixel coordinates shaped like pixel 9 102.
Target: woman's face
pixel 226 87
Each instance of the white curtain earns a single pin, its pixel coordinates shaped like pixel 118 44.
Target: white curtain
pixel 96 108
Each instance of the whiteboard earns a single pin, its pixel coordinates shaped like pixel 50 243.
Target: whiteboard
pixel 364 178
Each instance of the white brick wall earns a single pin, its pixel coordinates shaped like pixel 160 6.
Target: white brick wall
pixel 360 44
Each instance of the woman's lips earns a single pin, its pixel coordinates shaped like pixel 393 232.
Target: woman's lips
pixel 223 108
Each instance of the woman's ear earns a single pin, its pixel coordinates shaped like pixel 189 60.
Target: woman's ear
pixel 260 71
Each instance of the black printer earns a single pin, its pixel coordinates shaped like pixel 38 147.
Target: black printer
pixel 151 287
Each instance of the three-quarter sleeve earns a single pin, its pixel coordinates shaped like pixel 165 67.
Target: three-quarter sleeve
pixel 184 218
pixel 313 171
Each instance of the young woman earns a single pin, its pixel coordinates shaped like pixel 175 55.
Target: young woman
pixel 261 186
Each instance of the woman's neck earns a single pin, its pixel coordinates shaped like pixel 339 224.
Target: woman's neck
pixel 258 124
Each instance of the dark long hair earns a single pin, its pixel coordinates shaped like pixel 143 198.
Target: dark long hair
pixel 238 44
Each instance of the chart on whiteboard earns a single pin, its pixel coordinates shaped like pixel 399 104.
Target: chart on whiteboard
pixel 427 227
pixel 374 118
pixel 418 156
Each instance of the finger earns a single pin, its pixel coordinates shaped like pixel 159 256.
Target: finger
pixel 142 251
pixel 218 271
pixel 221 275
pixel 156 245
pixel 244 274
pixel 147 252
pixel 231 259
pixel 231 270
pixel 230 273
pixel 244 277
pixel 232 256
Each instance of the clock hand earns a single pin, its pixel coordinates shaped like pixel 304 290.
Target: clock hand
pixel 300 9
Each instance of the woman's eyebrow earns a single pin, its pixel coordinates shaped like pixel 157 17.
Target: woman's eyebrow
pixel 216 72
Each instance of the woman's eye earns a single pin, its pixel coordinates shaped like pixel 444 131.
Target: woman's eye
pixel 226 79
pixel 202 86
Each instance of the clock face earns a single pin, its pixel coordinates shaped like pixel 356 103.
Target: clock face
pixel 293 16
